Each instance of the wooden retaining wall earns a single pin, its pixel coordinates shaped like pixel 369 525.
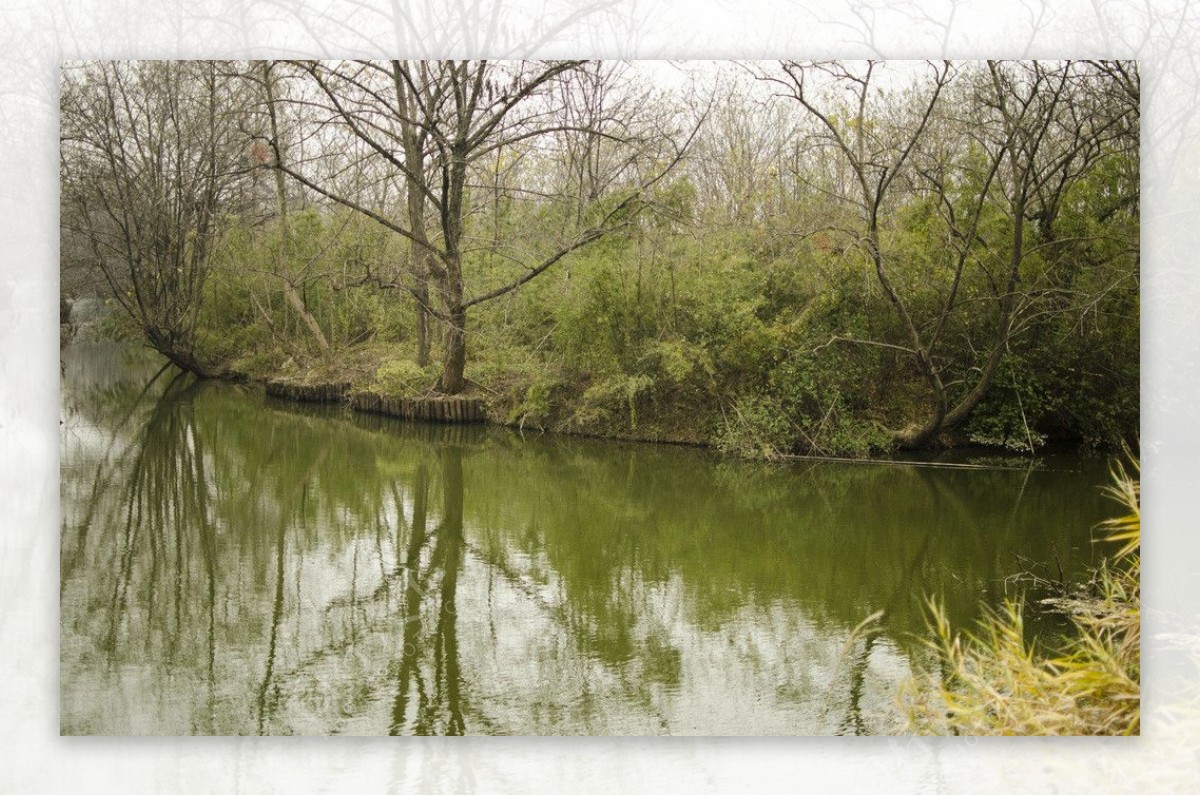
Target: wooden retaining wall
pixel 437 410
pixel 312 393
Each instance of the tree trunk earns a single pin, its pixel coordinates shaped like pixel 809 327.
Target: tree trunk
pixel 187 362
pixel 297 301
pixel 421 300
pixel 915 437
pixel 453 379
pixel 454 178
pixel 963 410
pixel 413 140
pixel 293 296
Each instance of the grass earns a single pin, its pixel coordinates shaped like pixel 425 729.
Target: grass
pixel 992 681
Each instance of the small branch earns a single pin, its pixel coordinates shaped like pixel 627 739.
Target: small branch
pixel 856 341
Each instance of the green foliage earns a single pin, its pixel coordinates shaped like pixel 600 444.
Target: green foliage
pixel 673 202
pixel 536 404
pixel 755 428
pixel 260 363
pixel 848 435
pixel 403 377
pixel 246 306
pixel 1009 417
pixel 615 394
pixel 679 361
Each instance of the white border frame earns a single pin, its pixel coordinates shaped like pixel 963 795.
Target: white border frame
pixel 1163 34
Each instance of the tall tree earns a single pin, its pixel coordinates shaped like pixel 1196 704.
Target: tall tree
pixel 266 77
pixel 1009 146
pixel 150 152
pixel 434 123
pixel 877 156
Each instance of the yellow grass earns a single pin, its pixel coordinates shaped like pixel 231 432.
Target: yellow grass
pixel 992 682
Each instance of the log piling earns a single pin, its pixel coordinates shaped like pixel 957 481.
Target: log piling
pixel 310 393
pixel 449 409
pixel 442 409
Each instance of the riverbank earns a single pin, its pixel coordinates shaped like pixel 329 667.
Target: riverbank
pixel 364 380
pixel 369 378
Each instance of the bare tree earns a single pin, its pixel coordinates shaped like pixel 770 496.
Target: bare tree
pixel 877 155
pixel 738 159
pixel 265 76
pixel 150 152
pixel 435 123
pixel 1012 144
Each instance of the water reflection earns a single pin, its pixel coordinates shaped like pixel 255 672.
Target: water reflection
pixel 236 565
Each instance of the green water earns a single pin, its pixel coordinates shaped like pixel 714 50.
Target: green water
pixel 236 565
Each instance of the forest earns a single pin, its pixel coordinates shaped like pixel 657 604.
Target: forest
pixel 771 258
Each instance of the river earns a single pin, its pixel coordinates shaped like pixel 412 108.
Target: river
pixel 233 564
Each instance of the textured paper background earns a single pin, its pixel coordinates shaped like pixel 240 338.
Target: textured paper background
pixel 36 36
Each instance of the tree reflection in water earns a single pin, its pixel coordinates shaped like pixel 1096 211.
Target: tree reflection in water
pixel 417 709
pixel 236 565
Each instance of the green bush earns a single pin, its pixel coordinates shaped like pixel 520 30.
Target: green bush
pixel 755 428
pixel 536 405
pixel 612 398
pixel 1011 415
pixel 403 377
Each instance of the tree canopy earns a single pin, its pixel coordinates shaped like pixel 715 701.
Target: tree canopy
pixel 819 257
